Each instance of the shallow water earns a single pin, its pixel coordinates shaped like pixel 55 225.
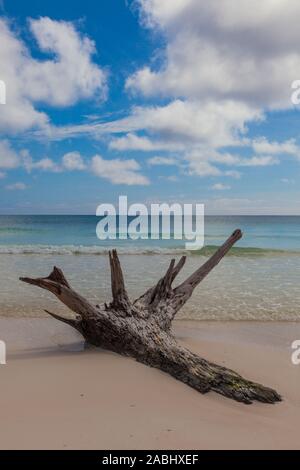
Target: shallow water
pixel 239 288
pixel 258 280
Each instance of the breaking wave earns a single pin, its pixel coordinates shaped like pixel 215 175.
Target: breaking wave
pixel 135 250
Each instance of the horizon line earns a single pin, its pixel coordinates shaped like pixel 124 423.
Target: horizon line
pixel 94 215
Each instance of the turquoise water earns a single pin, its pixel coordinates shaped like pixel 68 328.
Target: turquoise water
pixel 257 280
pixel 77 234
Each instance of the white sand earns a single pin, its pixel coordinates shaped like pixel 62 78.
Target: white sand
pixel 54 396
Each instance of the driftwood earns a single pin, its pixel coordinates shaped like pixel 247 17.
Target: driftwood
pixel 142 328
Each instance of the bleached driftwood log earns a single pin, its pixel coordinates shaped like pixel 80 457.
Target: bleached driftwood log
pixel 142 328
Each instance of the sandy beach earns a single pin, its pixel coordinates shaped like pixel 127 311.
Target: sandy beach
pixel 55 395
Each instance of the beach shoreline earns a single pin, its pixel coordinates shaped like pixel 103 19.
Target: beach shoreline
pixel 55 395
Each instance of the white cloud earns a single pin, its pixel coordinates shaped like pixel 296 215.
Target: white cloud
pixel 220 50
pixel 132 142
pixel 190 122
pixel 8 157
pixel 233 174
pixel 70 161
pixel 72 75
pixel 16 187
pixel 168 161
pixel 203 168
pixel 2 175
pixel 225 61
pixel 288 147
pixel 176 126
pixel 220 70
pixel 221 187
pixel 193 130
pixel 202 161
pixel 118 171
pixel 60 81
pixel 73 161
pixel 44 164
pixel 264 160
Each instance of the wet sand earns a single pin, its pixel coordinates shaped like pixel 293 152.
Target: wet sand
pixel 54 395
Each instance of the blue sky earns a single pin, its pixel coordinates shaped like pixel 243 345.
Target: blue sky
pixel 160 100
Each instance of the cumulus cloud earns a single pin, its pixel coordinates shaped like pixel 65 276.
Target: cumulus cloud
pixel 288 147
pixel 8 157
pixel 46 164
pixel 134 142
pixel 263 160
pixel 60 81
pixel 157 161
pixel 224 60
pixel 73 161
pixel 43 164
pixel 185 122
pixel 203 168
pixel 219 71
pixel 118 171
pixel 175 126
pixel 220 50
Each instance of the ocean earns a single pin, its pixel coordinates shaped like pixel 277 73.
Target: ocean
pixel 258 279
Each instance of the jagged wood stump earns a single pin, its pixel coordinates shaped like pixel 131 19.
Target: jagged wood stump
pixel 142 328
